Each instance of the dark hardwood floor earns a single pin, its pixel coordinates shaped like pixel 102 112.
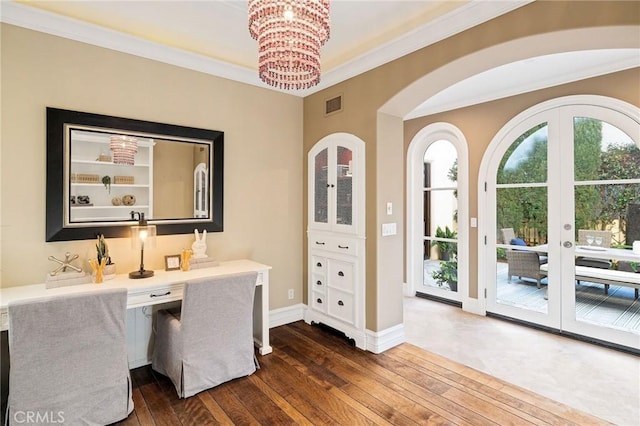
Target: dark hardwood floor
pixel 315 377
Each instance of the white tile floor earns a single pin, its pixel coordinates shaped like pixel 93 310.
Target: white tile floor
pixel 596 380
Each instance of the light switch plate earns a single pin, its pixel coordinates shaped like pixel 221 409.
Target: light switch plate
pixel 388 229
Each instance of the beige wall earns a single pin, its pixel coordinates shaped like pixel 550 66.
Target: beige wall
pixel 263 171
pixel 173 166
pixel 399 86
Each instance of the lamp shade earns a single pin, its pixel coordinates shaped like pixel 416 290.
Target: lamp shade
pixel 143 236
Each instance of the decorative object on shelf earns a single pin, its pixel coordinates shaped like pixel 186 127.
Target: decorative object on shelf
pixel 199 246
pixel 185 256
pixel 128 200
pixel 98 269
pixel 106 181
pixel 83 200
pixel 116 201
pixel 102 252
pixel 105 158
pixel 64 279
pixel 206 262
pixel 123 180
pixel 86 178
pixel 124 149
pixel 172 262
pixel 142 234
pixel 289 35
pixel 64 264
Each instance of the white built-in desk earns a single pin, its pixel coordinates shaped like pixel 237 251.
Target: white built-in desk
pixel 163 287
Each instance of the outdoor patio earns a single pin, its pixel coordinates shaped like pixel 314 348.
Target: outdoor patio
pixel 618 309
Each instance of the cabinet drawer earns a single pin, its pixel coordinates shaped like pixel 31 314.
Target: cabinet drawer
pixel 318 283
pixel 319 302
pixel 153 296
pixel 334 244
pixel 341 306
pixel 319 265
pixel 340 275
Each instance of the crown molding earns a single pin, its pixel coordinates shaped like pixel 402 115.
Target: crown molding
pixel 462 18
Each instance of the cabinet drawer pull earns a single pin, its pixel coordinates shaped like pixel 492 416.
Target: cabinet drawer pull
pixel 340 302
pixel 318 282
pixel 320 243
pixel 343 247
pixel 319 265
pixel 319 300
pixel 340 274
pixel 160 295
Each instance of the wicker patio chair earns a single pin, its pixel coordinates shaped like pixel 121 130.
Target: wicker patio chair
pixel 525 264
pixel 508 234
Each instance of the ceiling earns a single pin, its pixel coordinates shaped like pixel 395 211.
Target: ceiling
pixel 212 36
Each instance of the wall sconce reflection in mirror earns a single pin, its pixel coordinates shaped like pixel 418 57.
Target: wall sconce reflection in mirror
pixel 174 174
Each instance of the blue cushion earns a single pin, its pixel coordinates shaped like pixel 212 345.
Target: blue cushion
pixel 518 242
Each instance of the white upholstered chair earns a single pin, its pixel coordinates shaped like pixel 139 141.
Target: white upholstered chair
pixel 68 356
pixel 210 341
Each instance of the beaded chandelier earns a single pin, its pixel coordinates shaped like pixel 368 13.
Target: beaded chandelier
pixel 289 35
pixel 124 149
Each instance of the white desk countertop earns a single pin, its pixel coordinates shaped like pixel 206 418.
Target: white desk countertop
pixel 164 286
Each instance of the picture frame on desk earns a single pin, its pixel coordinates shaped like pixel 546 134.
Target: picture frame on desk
pixel 172 262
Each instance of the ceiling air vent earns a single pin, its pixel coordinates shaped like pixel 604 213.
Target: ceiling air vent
pixel 333 105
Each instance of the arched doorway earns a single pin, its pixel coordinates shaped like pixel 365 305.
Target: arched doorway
pixel 562 185
pixel 437 206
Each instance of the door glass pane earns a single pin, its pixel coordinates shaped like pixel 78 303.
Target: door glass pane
pixel 526 159
pixel 320 187
pixel 344 187
pixel 607 221
pixel 522 220
pixel 440 216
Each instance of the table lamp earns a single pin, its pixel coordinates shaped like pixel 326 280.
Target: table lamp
pixel 142 234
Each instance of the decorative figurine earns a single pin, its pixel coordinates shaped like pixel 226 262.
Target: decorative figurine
pixel 98 268
pixel 64 264
pixel 199 246
pixel 185 256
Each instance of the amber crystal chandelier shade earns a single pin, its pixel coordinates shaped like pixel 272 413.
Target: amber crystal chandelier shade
pixel 124 149
pixel 289 34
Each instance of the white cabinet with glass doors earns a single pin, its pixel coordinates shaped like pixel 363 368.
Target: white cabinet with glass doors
pixel 336 295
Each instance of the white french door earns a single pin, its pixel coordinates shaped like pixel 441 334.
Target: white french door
pixel 566 165
pixel 437 208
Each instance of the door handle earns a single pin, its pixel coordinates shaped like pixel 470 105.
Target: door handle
pixel 341 274
pixel 567 244
pixel 340 302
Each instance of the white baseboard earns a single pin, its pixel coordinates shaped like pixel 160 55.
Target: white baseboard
pixel 380 341
pixel 286 315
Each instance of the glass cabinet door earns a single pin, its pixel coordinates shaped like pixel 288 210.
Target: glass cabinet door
pixel 344 187
pixel 321 187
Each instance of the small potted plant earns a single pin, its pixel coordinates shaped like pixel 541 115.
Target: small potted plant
pixel 445 248
pixel 448 273
pixel 106 181
pixel 102 252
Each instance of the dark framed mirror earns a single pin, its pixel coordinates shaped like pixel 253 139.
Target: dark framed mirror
pixel 101 169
